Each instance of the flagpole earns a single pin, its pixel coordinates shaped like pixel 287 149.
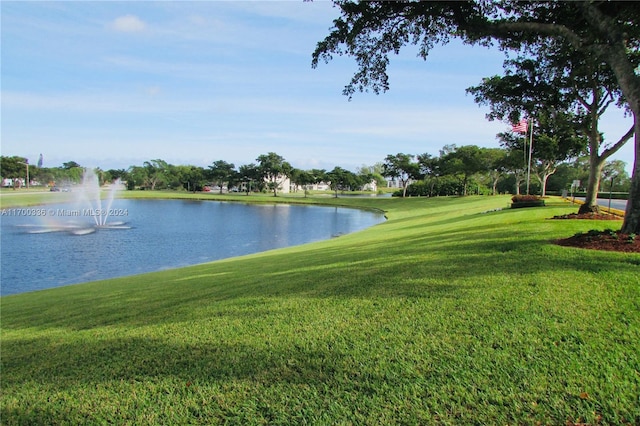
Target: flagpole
pixel 524 151
pixel 530 151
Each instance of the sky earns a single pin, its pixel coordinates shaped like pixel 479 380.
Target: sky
pixel 113 84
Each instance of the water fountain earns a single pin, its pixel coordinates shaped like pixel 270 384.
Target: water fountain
pixel 89 210
pixel 89 195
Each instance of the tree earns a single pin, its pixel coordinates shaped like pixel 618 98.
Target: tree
pixel 496 165
pixel 70 165
pixel 249 175
pixel 466 161
pixel 430 171
pixel 138 176
pixel 117 174
pixel 557 78
pixel 374 172
pixel 302 178
pixel 191 178
pixel 12 167
pixel 274 170
pixel 556 139
pixel 221 172
pixel 607 31
pixel 342 180
pixel 318 175
pixel 156 172
pixel 403 167
pixel 615 175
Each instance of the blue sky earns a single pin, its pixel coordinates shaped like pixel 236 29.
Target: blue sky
pixel 113 84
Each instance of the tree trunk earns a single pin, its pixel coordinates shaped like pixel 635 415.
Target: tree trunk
pixel 518 183
pixel 595 172
pixel 545 177
pixel 596 162
pixel 631 224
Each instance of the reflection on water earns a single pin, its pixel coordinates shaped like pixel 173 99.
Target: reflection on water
pixel 151 235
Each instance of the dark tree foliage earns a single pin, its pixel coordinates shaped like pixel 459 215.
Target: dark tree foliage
pixel 343 180
pixel 274 170
pixel 221 172
pixel 402 167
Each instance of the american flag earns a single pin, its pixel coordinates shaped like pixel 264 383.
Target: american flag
pixel 520 127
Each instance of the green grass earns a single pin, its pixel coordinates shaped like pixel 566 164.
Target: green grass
pixel 448 313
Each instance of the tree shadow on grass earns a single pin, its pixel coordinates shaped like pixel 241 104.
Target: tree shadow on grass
pixel 126 363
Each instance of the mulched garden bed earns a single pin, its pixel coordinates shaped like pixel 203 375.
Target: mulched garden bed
pixel 600 240
pixel 588 216
pixel 603 240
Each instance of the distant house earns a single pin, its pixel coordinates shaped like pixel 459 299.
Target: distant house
pixel 322 186
pixel 371 186
pixel 15 183
pixel 397 183
pixel 284 186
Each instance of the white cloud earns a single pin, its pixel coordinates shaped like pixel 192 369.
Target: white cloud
pixel 128 24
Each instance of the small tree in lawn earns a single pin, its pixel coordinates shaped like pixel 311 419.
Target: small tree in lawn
pixel 342 180
pixel 249 175
pixel 403 167
pixel 318 176
pixel 302 178
pixel 274 170
pixel 497 166
pixel 221 172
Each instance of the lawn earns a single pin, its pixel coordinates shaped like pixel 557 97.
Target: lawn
pixel 450 312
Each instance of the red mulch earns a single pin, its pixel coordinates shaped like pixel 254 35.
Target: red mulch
pixel 600 240
pixel 588 216
pixel 603 241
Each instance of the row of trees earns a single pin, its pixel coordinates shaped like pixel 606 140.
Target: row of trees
pixel 268 174
pixel 15 168
pixel 572 61
pixel 456 171
pixel 472 169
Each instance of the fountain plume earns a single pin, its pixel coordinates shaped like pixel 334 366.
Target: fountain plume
pixel 89 200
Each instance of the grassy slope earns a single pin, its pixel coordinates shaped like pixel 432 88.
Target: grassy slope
pixel 441 315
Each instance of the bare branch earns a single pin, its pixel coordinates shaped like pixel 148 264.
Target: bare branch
pixel 616 147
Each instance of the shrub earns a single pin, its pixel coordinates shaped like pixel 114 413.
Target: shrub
pixel 526 201
pixel 525 198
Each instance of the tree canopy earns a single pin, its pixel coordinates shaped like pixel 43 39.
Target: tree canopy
pixel 402 167
pixel 551 82
pixel 274 170
pixel 607 31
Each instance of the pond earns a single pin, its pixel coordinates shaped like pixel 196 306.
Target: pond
pixel 152 235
